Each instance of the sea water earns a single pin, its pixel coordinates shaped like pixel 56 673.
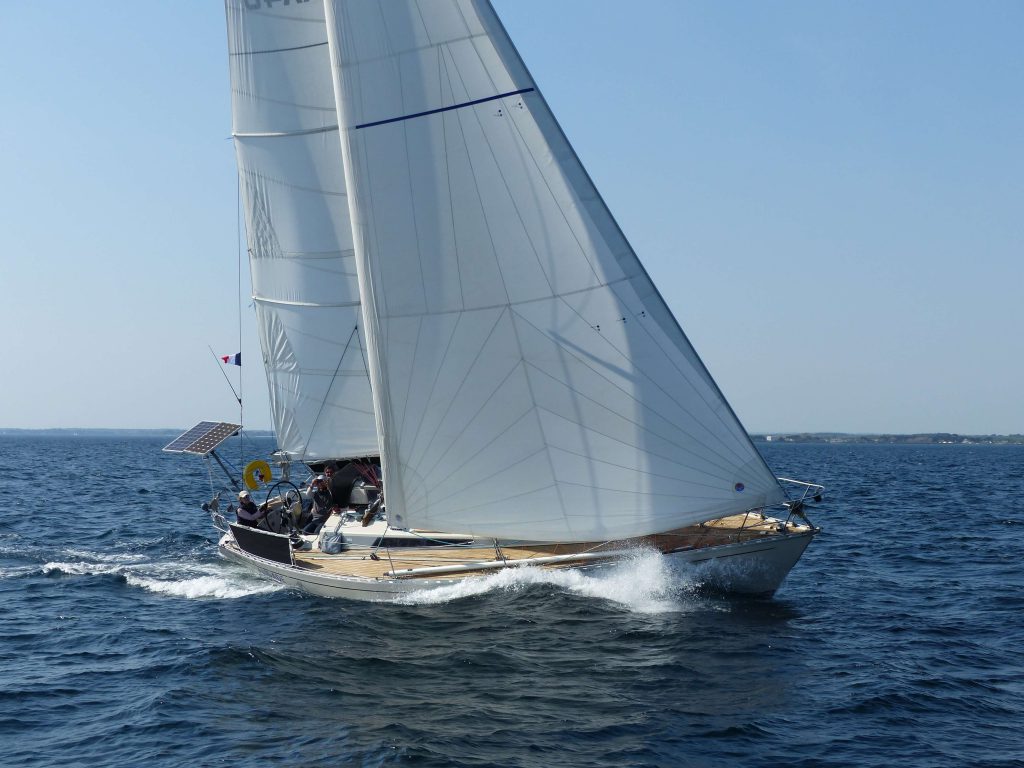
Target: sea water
pixel 897 640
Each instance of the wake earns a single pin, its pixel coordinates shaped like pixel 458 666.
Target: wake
pixel 645 582
pixel 175 579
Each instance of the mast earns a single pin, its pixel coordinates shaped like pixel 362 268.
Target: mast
pixel 529 380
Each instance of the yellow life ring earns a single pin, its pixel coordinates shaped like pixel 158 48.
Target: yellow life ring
pixel 256 472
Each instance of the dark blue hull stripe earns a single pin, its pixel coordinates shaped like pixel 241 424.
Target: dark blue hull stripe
pixel 443 109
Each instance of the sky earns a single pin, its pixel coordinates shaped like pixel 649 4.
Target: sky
pixel 829 195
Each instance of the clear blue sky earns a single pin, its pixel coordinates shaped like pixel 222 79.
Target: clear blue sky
pixel 829 195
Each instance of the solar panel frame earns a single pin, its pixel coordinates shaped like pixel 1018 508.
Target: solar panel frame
pixel 203 438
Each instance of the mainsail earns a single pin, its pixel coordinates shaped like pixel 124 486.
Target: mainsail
pixel 300 239
pixel 529 380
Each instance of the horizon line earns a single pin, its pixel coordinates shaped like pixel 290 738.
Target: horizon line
pixel 759 433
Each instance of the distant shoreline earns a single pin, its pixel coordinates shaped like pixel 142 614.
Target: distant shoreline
pixel 95 432
pixel 925 438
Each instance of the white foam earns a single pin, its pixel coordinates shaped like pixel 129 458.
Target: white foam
pixel 87 563
pixel 175 579
pixel 225 587
pixel 14 573
pixel 81 569
pixel 105 557
pixel 644 582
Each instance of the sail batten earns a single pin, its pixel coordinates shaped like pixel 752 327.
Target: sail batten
pixel 311 304
pixel 278 50
pixel 282 134
pixel 305 291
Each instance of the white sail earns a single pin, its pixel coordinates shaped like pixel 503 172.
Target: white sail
pixel 300 240
pixel 529 380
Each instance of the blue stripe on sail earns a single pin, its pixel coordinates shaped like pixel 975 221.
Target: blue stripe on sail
pixel 443 109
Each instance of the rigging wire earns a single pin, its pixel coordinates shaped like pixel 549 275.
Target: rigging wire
pixel 323 402
pixel 220 367
pixel 238 244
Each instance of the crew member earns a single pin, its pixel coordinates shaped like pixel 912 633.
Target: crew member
pixel 322 504
pixel 248 513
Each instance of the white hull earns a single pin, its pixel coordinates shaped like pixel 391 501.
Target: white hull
pixel 755 567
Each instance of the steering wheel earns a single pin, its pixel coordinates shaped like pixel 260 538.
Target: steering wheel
pixel 287 499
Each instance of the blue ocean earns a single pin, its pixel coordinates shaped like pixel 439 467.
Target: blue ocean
pixel 896 641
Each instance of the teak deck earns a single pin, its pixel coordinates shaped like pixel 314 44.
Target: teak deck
pixel 359 563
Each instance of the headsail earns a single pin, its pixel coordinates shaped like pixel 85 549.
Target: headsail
pixel 300 240
pixel 530 381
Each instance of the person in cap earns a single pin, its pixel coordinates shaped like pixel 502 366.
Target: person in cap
pixel 248 513
pixel 322 504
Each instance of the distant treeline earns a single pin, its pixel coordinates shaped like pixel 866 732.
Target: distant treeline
pixel 775 437
pixel 71 432
pixel 937 438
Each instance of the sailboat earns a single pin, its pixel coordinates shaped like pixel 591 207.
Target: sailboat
pixel 441 290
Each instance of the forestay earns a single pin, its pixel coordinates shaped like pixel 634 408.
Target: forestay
pixel 300 239
pixel 530 382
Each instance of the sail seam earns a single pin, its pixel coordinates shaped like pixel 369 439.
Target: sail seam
pixel 476 180
pixel 638 470
pixel 667 420
pixel 636 260
pixel 493 17
pixel 524 144
pixel 455 396
pixel 509 468
pixel 408 388
pixel 536 412
pixel 323 402
pixel 254 175
pixel 511 197
pixel 442 66
pixel 662 389
pixel 508 304
pixel 437 376
pixel 425 113
pixel 715 411
pixel 488 444
pixel 336 406
pixel 439 459
pixel 395 53
pixel 415 212
pixel 644 493
pixel 469 523
pixel 631 445
pixel 292 104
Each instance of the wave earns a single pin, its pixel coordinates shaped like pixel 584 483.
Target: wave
pixel 222 586
pixel 645 582
pixel 16 572
pixel 106 557
pixel 175 579
pixel 80 569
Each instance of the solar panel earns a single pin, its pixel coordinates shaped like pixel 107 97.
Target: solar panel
pixel 202 438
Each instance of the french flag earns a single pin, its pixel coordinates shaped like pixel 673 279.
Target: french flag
pixel 232 359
